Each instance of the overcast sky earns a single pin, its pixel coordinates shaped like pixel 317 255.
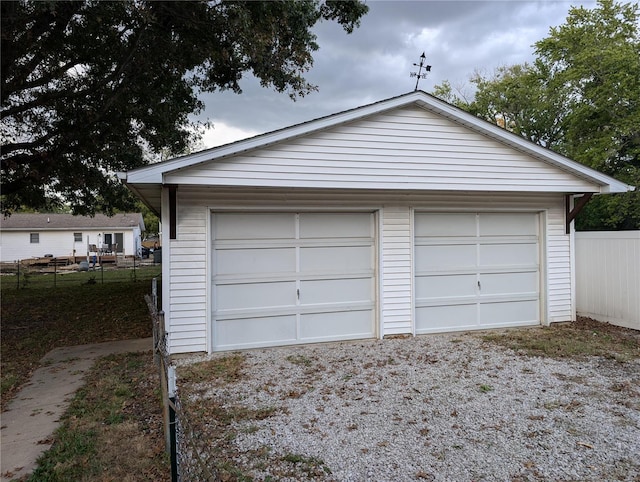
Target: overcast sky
pixel 373 63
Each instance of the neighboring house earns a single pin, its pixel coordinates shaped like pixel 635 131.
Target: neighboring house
pixel 405 216
pixel 25 236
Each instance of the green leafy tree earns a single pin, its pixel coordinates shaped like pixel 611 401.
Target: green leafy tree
pixel 595 55
pixel 90 88
pixel 522 99
pixel 455 96
pixel 581 98
pixel 151 221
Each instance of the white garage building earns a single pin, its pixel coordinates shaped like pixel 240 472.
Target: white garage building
pixel 405 216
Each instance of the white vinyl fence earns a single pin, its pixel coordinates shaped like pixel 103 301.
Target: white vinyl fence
pixel 608 276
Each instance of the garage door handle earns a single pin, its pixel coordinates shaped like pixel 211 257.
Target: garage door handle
pixel 479 286
pixel 298 293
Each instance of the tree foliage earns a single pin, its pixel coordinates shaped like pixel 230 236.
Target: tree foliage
pixel 91 87
pixel 522 99
pixel 581 98
pixel 151 221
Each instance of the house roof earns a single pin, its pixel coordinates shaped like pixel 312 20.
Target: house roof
pixel 68 222
pixel 143 180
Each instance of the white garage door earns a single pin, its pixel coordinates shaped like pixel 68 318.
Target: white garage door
pixel 287 278
pixel 476 270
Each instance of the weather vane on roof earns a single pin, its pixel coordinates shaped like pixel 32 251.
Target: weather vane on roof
pixel 419 74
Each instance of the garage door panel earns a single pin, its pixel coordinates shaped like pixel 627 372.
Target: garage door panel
pixel 341 259
pixel 255 261
pixel 287 278
pixel 476 270
pixel 255 295
pixel 508 224
pixel 509 313
pixel 521 254
pixel 335 225
pixel 256 331
pixel 443 318
pixel 445 224
pixel 444 257
pixel 254 226
pixel 509 283
pixel 336 290
pixel 346 324
pixel 444 286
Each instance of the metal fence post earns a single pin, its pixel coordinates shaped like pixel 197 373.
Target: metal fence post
pixel 18 287
pixel 171 388
pixel 154 292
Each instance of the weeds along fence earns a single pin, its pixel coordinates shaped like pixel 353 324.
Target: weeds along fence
pixel 190 453
pixel 24 274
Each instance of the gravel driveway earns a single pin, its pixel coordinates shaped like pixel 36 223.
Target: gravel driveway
pixel 445 407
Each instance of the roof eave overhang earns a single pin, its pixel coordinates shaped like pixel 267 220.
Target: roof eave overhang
pixel 135 188
pixel 77 228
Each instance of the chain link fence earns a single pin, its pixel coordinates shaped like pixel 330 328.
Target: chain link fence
pixel 194 452
pixel 24 274
pixel 190 452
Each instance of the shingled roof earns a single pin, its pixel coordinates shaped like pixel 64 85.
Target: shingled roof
pixel 43 222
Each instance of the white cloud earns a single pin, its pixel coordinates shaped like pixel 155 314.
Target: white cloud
pixel 220 133
pixel 426 36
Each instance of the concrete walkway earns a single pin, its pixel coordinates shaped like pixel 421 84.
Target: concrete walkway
pixel 34 414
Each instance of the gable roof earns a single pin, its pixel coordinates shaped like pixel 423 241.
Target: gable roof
pixel 67 222
pixel 142 179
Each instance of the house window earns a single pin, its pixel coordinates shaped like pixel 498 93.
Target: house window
pixel 77 237
pixel 34 238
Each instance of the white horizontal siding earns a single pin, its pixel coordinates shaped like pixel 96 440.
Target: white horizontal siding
pixel 189 286
pixel 560 306
pixel 608 276
pixel 16 245
pixel 406 149
pixel 397 279
pixel 187 321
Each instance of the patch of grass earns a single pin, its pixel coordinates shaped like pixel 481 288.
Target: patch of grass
pixel 250 429
pixel 311 466
pixel 224 415
pixel 228 368
pixel 69 458
pixel 228 471
pixel 485 388
pixel 580 339
pixel 41 317
pixel 113 427
pixel 8 381
pixel 300 360
pixel 49 278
